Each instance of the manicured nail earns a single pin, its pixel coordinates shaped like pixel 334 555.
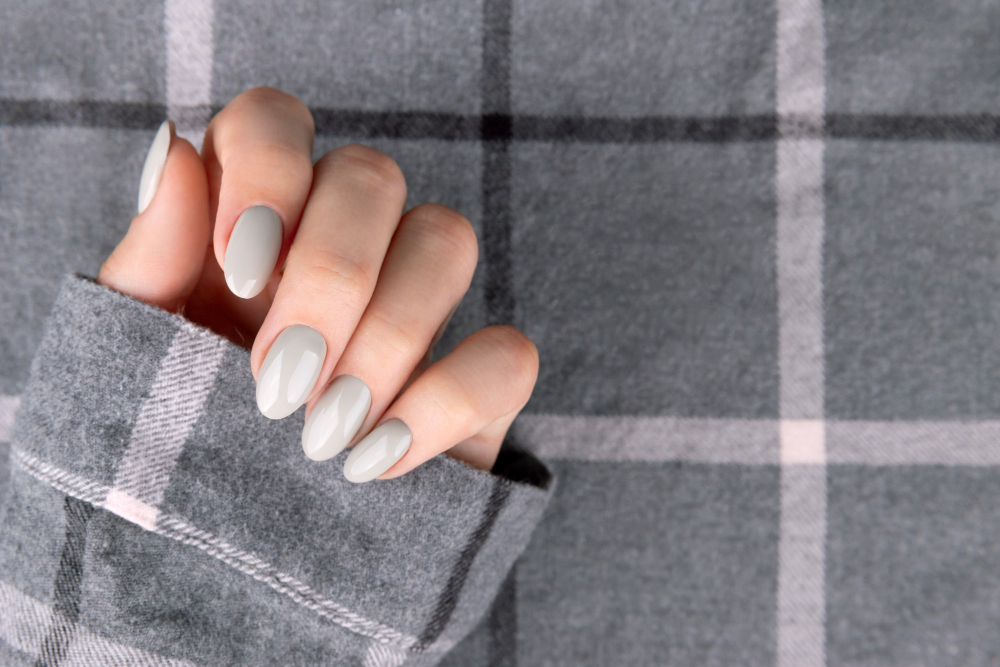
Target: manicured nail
pixel 152 170
pixel 290 371
pixel 252 251
pixel 336 418
pixel 378 452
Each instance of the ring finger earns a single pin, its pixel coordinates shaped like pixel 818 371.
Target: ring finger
pixel 427 270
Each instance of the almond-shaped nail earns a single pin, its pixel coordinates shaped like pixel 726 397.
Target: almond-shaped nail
pixel 336 418
pixel 156 159
pixel 252 251
pixel 378 451
pixel 290 371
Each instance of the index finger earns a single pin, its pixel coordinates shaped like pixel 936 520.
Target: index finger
pixel 258 156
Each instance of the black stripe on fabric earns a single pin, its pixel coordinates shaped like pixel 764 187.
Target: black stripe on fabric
pixel 84 113
pixel 979 128
pixel 396 125
pixel 68 583
pixel 496 134
pixel 503 126
pixel 503 624
pixel 645 130
pixel 460 572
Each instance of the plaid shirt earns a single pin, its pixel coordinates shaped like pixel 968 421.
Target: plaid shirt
pixel 756 244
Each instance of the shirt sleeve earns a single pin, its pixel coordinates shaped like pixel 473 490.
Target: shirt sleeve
pixel 154 513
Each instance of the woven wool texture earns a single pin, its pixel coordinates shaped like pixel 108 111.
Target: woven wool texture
pixel 756 244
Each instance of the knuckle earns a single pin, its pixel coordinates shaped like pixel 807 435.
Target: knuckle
pixel 370 169
pixel 519 354
pixel 392 336
pixel 286 162
pixel 458 406
pixel 272 99
pixel 444 234
pixel 328 275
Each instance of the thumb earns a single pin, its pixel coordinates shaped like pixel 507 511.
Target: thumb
pixel 160 259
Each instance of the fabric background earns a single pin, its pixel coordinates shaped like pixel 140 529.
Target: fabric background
pixel 755 243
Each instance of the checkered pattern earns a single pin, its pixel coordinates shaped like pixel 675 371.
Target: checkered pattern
pixel 756 245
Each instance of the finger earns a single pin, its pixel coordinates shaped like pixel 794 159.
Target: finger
pixel 467 397
pixel 160 258
pixel 258 154
pixel 426 272
pixel 354 207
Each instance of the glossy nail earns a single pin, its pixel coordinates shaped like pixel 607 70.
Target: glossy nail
pixel 156 159
pixel 290 371
pixel 252 251
pixel 378 451
pixel 336 418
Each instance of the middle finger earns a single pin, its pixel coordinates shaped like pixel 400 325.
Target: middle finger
pixel 356 203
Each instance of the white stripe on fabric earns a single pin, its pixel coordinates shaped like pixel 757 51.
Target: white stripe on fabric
pixel 176 400
pixel 190 53
pixel 25 622
pixel 800 277
pixel 800 92
pixel 8 411
pixel 801 554
pixel 88 649
pixel 592 438
pixel 177 529
pixel 913 443
pixel 380 655
pixel 756 442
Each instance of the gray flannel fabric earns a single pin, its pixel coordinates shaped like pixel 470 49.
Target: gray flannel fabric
pixel 756 244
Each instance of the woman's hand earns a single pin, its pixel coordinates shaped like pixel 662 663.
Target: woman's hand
pixel 340 296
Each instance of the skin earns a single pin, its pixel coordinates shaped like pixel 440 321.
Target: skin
pixel 378 284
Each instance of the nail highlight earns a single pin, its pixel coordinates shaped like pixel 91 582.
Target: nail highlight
pixel 336 418
pixel 152 169
pixel 378 451
pixel 290 371
pixel 252 251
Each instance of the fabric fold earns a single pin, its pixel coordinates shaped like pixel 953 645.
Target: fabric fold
pixel 152 420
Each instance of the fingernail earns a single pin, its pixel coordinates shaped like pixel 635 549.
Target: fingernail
pixel 336 418
pixel 252 251
pixel 152 170
pixel 290 371
pixel 378 452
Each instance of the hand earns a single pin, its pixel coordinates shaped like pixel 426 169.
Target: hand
pixel 338 293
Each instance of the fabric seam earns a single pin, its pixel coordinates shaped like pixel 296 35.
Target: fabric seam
pixel 177 529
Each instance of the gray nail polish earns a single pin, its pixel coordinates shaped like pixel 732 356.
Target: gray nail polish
pixel 152 169
pixel 252 251
pixel 336 418
pixel 290 371
pixel 378 452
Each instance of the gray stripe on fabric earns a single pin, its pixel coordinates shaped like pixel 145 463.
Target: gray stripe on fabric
pixel 134 510
pixel 176 400
pixel 24 621
pixel 800 91
pixel 190 52
pixel 8 412
pixel 596 438
pixel 801 555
